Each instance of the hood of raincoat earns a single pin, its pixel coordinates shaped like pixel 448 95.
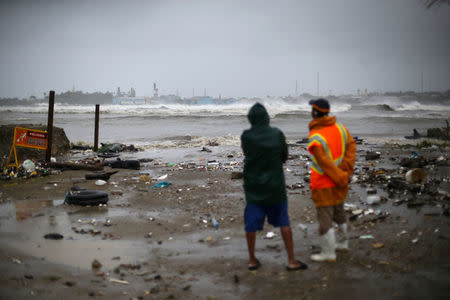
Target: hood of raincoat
pixel 258 115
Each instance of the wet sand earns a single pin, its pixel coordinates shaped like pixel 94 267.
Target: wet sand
pixel 160 243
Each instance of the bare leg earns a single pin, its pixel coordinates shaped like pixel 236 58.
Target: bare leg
pixel 286 233
pixel 251 238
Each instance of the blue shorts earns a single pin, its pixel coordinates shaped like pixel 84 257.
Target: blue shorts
pixel 255 215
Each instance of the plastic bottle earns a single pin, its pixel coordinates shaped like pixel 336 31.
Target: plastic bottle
pixel 215 223
pixel 304 228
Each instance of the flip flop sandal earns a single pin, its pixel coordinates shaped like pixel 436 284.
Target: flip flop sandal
pixel 254 267
pixel 302 266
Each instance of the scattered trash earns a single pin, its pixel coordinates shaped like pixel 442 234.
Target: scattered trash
pixel 161 184
pixel 370 155
pixel 100 175
pixel 100 182
pixel 215 223
pixel 29 166
pixel 123 164
pixel 417 175
pixel 114 280
pixel 414 241
pixel 16 261
pixel 53 236
pixel 366 237
pixel 96 264
pixel 304 228
pixel 373 199
pixel 162 177
pixel 86 197
pixel 270 235
pixel 204 149
pixel 377 245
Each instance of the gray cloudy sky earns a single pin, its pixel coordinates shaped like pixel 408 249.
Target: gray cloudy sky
pixel 232 47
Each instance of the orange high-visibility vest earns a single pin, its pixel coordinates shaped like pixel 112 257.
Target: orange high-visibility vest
pixel 333 140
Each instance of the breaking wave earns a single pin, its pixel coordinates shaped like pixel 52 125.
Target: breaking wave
pixel 273 106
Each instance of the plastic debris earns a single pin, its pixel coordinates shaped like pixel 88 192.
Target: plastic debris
pixel 304 228
pixel 377 245
pixel 366 237
pixel 118 281
pixel 373 199
pixel 162 177
pixel 417 175
pixel 100 182
pixel 215 223
pixel 270 235
pixel 53 236
pixel 29 166
pixel 161 184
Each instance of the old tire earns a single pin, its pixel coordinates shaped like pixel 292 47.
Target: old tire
pixel 86 197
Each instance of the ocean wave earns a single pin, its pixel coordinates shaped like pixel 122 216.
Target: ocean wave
pixel 273 106
pixel 415 105
pixel 191 142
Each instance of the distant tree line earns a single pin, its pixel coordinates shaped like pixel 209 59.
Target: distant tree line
pixel 69 97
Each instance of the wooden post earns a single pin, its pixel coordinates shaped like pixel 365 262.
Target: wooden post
pixel 51 105
pixel 97 117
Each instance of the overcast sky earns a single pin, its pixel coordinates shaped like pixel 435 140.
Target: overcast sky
pixel 233 47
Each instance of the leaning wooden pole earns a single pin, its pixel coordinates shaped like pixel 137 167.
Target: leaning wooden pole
pixel 51 105
pixel 97 117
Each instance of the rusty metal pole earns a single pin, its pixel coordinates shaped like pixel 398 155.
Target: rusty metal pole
pixel 51 105
pixel 97 117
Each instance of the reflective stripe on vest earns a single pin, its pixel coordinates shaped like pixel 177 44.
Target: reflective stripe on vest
pixel 318 138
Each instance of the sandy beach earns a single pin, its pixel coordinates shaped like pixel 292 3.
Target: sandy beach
pixel 159 243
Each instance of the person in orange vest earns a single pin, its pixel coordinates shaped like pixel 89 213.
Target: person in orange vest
pixel 334 152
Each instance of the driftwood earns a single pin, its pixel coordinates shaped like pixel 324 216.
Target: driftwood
pixel 100 175
pixel 73 166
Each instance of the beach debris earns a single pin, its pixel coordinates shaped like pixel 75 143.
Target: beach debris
pixel 162 177
pixel 16 261
pixel 377 245
pixel 295 186
pixel 373 199
pixel 204 149
pixel 372 155
pixel 161 184
pixel 214 223
pixel 96 264
pixel 417 175
pixel 116 147
pixel 114 280
pixel 366 237
pixel 270 235
pixel 131 164
pixel 100 175
pixel 53 236
pixel 145 178
pixel 304 228
pixel 100 182
pixel 237 175
pixel 29 165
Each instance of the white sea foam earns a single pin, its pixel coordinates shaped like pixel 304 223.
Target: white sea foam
pixel 193 142
pixel 415 105
pixel 274 106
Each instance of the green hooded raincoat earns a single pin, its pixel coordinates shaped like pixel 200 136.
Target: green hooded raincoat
pixel 265 151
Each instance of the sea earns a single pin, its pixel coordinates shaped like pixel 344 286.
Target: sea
pixel 376 119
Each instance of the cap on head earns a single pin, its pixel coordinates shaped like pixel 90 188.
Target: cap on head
pixel 321 105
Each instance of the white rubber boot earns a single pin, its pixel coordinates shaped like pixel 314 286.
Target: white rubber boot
pixel 342 238
pixel 328 253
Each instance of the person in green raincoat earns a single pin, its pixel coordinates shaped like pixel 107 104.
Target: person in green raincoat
pixel 265 151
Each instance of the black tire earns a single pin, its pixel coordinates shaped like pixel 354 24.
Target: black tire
pixel 86 197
